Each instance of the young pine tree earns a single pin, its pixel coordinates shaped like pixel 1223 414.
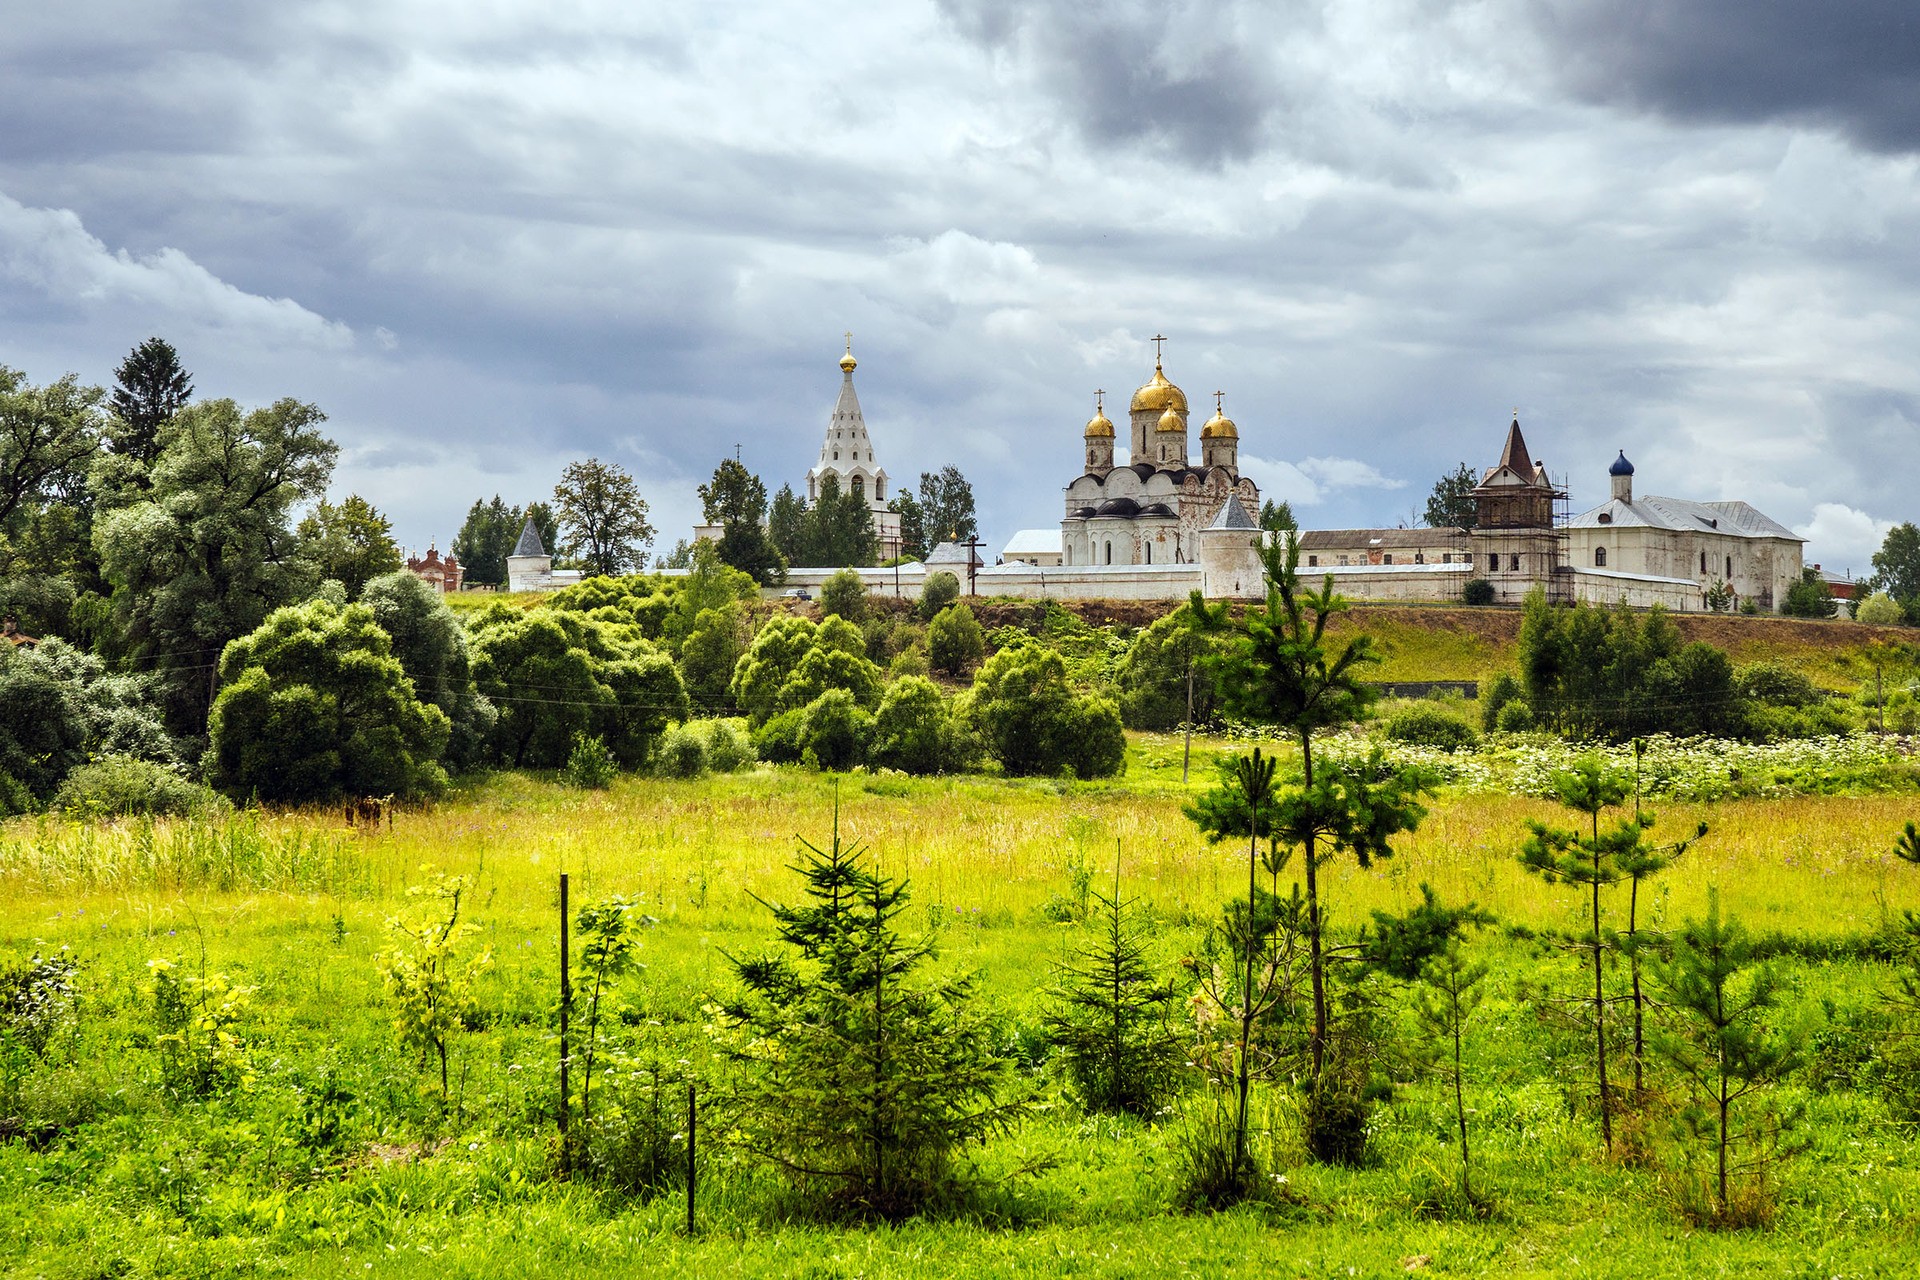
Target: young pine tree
pixel 1110 1019
pixel 1284 671
pixel 862 1079
pixel 1445 1002
pixel 1719 1039
pixel 1588 861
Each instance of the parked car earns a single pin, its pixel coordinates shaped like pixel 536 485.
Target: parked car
pixel 799 593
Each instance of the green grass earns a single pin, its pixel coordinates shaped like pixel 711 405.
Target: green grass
pixel 294 906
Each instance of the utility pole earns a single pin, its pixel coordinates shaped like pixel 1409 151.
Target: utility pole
pixel 1879 699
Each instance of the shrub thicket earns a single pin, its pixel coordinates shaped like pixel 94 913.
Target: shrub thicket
pixel 314 705
pixel 844 595
pixel 127 785
pixel 954 640
pixel 1613 673
pixel 913 730
pixel 1428 726
pixel 1477 591
pixel 1033 722
pixel 940 589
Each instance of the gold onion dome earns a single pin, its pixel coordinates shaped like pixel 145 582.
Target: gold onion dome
pixel 1173 420
pixel 1099 424
pixel 1159 394
pixel 847 363
pixel 1219 426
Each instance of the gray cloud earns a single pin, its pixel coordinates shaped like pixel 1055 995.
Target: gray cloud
pixel 1854 66
pixel 638 232
pixel 1182 79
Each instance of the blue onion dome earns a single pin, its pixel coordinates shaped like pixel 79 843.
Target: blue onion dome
pixel 1621 467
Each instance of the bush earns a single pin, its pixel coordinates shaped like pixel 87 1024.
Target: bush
pixel 120 785
pixel 590 765
pixel 936 593
pixel 1776 685
pixel 835 732
pixel 1477 591
pixel 913 730
pixel 728 747
pixel 683 753
pixel 315 705
pixel 1034 723
pixel 1810 597
pixel 778 741
pixel 1503 689
pixel 954 640
pixel 1432 727
pixel 844 595
pixel 1880 610
pixel 1516 717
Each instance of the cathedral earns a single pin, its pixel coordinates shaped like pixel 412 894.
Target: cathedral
pixel 1152 510
pixel 846 455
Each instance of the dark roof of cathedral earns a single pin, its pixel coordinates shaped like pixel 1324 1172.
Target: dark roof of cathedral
pixel 529 544
pixel 1233 516
pixel 1118 507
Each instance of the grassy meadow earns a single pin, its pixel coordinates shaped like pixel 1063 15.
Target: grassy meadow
pixel 124 1179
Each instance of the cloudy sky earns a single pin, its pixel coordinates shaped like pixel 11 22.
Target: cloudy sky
pixel 490 237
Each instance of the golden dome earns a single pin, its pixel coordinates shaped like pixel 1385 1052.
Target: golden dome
pixel 1219 426
pixel 847 362
pixel 1173 420
pixel 1099 425
pixel 1159 394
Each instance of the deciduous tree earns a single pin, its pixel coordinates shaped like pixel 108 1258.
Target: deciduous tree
pixel 351 543
pixel 209 551
pixel 603 517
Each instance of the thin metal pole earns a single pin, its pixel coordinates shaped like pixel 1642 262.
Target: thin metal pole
pixel 566 1001
pixel 1186 756
pixel 692 1133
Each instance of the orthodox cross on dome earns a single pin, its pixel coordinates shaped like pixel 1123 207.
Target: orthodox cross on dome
pixel 1099 400
pixel 849 342
pixel 1216 400
pixel 1157 340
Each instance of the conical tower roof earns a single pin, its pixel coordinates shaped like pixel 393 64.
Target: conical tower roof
pixel 529 544
pixel 1233 516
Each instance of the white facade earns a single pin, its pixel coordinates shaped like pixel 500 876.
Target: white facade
pixel 530 568
pixel 1700 544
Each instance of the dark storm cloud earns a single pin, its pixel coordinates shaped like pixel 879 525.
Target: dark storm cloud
pixel 1182 79
pixel 1852 65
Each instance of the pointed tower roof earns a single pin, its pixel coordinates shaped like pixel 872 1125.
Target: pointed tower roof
pixel 1516 466
pixel 847 449
pixel 529 544
pixel 1233 516
pixel 1515 456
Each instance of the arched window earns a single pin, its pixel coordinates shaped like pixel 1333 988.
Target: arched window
pixel 1149 553
pixel 1599 557
pixel 860 488
pixel 1729 568
pixel 1515 566
pixel 1109 552
pixel 879 488
pixel 1703 562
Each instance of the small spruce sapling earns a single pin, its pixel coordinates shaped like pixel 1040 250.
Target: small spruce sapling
pixel 1638 861
pixel 431 986
pixel 1110 1019
pixel 861 1079
pixel 1718 1037
pixel 1445 1001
